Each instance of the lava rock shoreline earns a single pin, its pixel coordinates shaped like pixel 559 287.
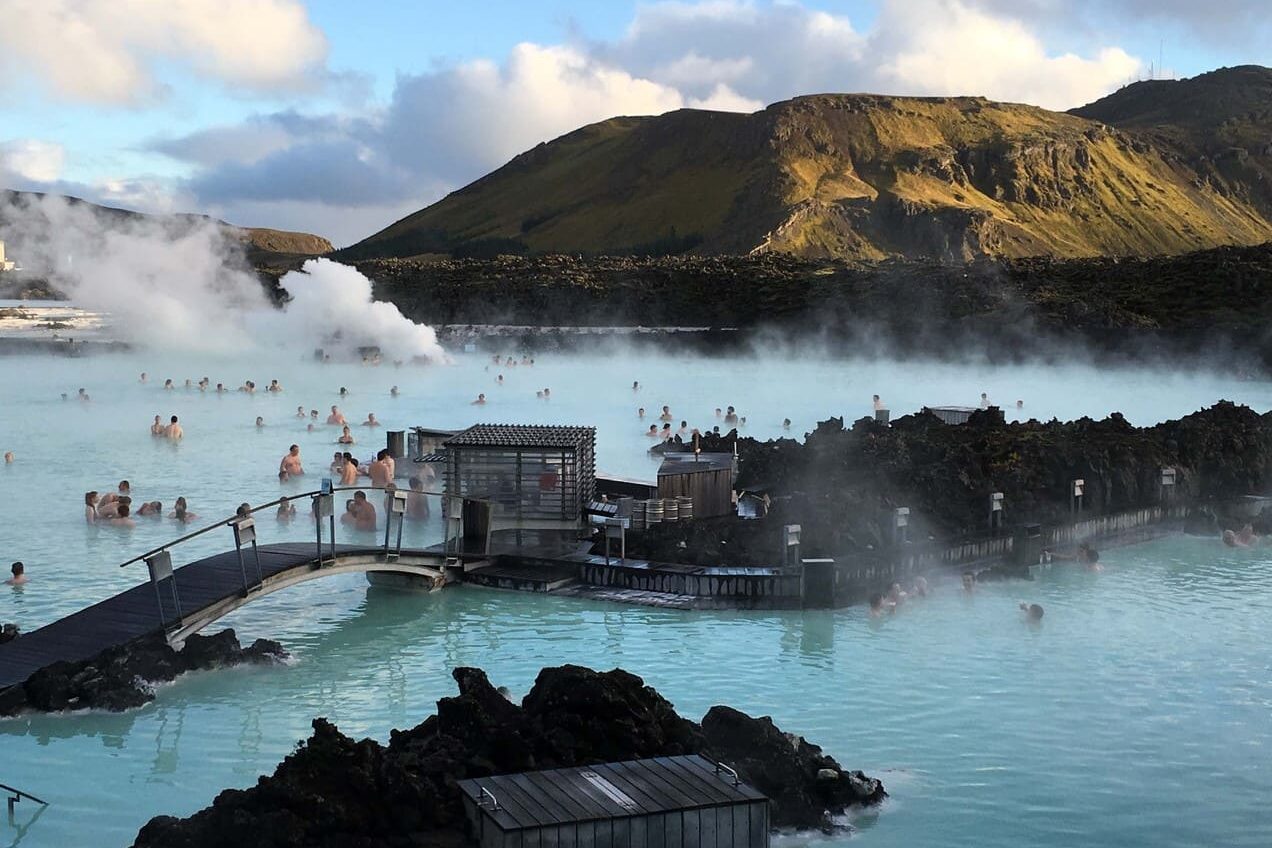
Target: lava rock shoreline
pixel 842 483
pixel 335 791
pixel 123 677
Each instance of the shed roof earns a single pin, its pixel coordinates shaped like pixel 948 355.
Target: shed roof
pixel 523 436
pixel 609 791
pixel 688 463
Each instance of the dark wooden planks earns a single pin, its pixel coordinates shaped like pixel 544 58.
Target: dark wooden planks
pixel 133 613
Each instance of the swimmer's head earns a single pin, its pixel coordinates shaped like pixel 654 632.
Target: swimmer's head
pixel 123 510
pixel 359 495
pixel 17 569
pixel 124 487
pixel 260 422
pixel 90 498
pixel 8 456
pixel 174 419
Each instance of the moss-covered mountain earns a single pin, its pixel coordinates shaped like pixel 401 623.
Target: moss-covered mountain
pixel 866 177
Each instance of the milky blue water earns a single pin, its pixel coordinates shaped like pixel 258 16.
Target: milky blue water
pixel 1138 712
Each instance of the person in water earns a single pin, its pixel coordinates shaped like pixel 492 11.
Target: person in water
pixel 346 437
pixel 167 384
pixel 653 431
pixel 984 401
pixel 370 422
pixel 344 392
pixel 336 417
pixel 83 395
pixel 173 431
pixel 730 416
pixel 153 508
pixel 1246 536
pixel 416 500
pixel 157 428
pixel 393 392
pixel 286 510
pixel 635 385
pixel 969 582
pixel 786 423
pixel 666 414
pixel 121 518
pixel 878 403
pixel 1086 556
pixel 300 412
pixel 8 457
pixel 1033 612
pixel 481 399
pixel 349 471
pixel 640 413
pixel 337 463
pixel 18 570
pixel 363 511
pixel 260 422
pixel 181 512
pixel 90 507
pixel 290 463
pixel 381 471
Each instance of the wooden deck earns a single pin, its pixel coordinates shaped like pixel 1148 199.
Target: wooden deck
pixel 134 612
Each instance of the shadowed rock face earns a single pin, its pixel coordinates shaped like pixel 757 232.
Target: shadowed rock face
pixel 122 678
pixel 334 791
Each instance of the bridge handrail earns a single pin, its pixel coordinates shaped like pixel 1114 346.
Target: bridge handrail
pixel 228 521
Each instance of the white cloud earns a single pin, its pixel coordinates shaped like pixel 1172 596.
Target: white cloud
pixel 103 51
pixel 480 114
pixel 345 175
pixel 945 47
pixel 32 160
pixel 918 47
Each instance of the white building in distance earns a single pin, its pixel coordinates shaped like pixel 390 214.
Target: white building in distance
pixel 5 265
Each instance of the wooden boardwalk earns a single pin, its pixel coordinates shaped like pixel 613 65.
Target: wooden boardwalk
pixel 134 612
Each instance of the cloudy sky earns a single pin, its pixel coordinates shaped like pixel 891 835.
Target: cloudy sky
pixel 338 118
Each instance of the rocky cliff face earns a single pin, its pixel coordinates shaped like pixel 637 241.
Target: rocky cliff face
pixel 861 177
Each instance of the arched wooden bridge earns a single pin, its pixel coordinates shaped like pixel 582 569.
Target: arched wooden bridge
pixel 182 601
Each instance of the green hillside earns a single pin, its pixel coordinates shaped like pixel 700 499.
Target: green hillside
pixel 862 177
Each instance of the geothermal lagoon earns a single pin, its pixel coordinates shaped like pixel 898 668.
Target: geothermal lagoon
pixel 1144 691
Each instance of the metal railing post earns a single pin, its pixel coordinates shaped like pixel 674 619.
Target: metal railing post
pixel 160 566
pixel 396 506
pixel 245 532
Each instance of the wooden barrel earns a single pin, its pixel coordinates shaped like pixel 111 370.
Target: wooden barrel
pixel 653 512
pixel 686 507
pixel 671 510
pixel 639 514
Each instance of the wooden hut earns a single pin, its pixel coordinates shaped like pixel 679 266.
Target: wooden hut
pixel 667 802
pixel 536 477
pixel 705 477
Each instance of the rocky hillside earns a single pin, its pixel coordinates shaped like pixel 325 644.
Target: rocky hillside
pixel 263 246
pixel 861 176
pixel 1219 123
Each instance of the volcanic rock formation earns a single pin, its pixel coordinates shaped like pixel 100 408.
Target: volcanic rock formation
pixel 334 791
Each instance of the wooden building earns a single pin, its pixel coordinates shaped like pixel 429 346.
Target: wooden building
pixel 705 477
pixel 535 477
pixel 667 802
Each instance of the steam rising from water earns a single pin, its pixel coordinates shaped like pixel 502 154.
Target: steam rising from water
pixel 329 297
pixel 181 284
